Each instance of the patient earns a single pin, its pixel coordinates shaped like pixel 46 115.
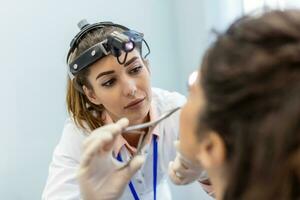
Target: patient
pixel 242 118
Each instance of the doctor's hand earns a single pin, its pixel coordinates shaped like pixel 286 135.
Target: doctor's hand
pixel 182 171
pixel 100 175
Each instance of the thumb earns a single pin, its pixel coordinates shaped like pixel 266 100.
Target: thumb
pixel 182 159
pixel 123 122
pixel 134 165
pixel 176 145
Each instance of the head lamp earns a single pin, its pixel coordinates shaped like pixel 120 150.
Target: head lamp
pixel 121 41
pixel 116 43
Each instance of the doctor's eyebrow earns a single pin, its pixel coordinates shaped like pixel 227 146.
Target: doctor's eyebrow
pixel 104 73
pixel 111 71
pixel 130 61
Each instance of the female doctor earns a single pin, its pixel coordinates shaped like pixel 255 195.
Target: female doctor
pixel 109 79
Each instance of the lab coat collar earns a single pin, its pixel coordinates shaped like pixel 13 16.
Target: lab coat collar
pixel 121 141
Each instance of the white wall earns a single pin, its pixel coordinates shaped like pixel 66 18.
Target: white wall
pixel 34 39
pixel 194 23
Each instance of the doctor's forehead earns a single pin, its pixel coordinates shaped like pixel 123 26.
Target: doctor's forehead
pixel 111 60
pixel 110 63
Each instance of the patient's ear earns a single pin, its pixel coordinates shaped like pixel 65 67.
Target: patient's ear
pixel 212 151
pixel 89 93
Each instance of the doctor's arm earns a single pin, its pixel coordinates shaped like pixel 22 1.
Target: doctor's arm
pixel 61 181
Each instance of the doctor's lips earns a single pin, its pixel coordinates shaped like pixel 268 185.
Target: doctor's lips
pixel 135 103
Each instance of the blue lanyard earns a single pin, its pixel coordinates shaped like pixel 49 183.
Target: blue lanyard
pixel 155 156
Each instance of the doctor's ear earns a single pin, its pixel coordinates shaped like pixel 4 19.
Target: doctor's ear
pixel 212 151
pixel 89 93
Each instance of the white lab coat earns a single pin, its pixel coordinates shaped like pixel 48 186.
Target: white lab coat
pixel 62 184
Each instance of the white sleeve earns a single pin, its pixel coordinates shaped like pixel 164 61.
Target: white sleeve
pixel 62 182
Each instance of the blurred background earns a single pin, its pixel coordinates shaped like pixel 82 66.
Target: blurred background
pixel 34 40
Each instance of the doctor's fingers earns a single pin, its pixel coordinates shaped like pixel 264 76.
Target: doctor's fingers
pixel 134 165
pixel 186 163
pixel 117 127
pixel 182 159
pixel 180 170
pixel 113 129
pixel 100 146
pixel 179 164
pixel 176 178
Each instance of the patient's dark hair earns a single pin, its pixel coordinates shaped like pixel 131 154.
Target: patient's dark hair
pixel 251 82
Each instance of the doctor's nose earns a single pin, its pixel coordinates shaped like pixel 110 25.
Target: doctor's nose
pixel 129 88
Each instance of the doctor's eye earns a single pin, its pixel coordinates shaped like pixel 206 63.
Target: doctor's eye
pixel 109 83
pixel 135 70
